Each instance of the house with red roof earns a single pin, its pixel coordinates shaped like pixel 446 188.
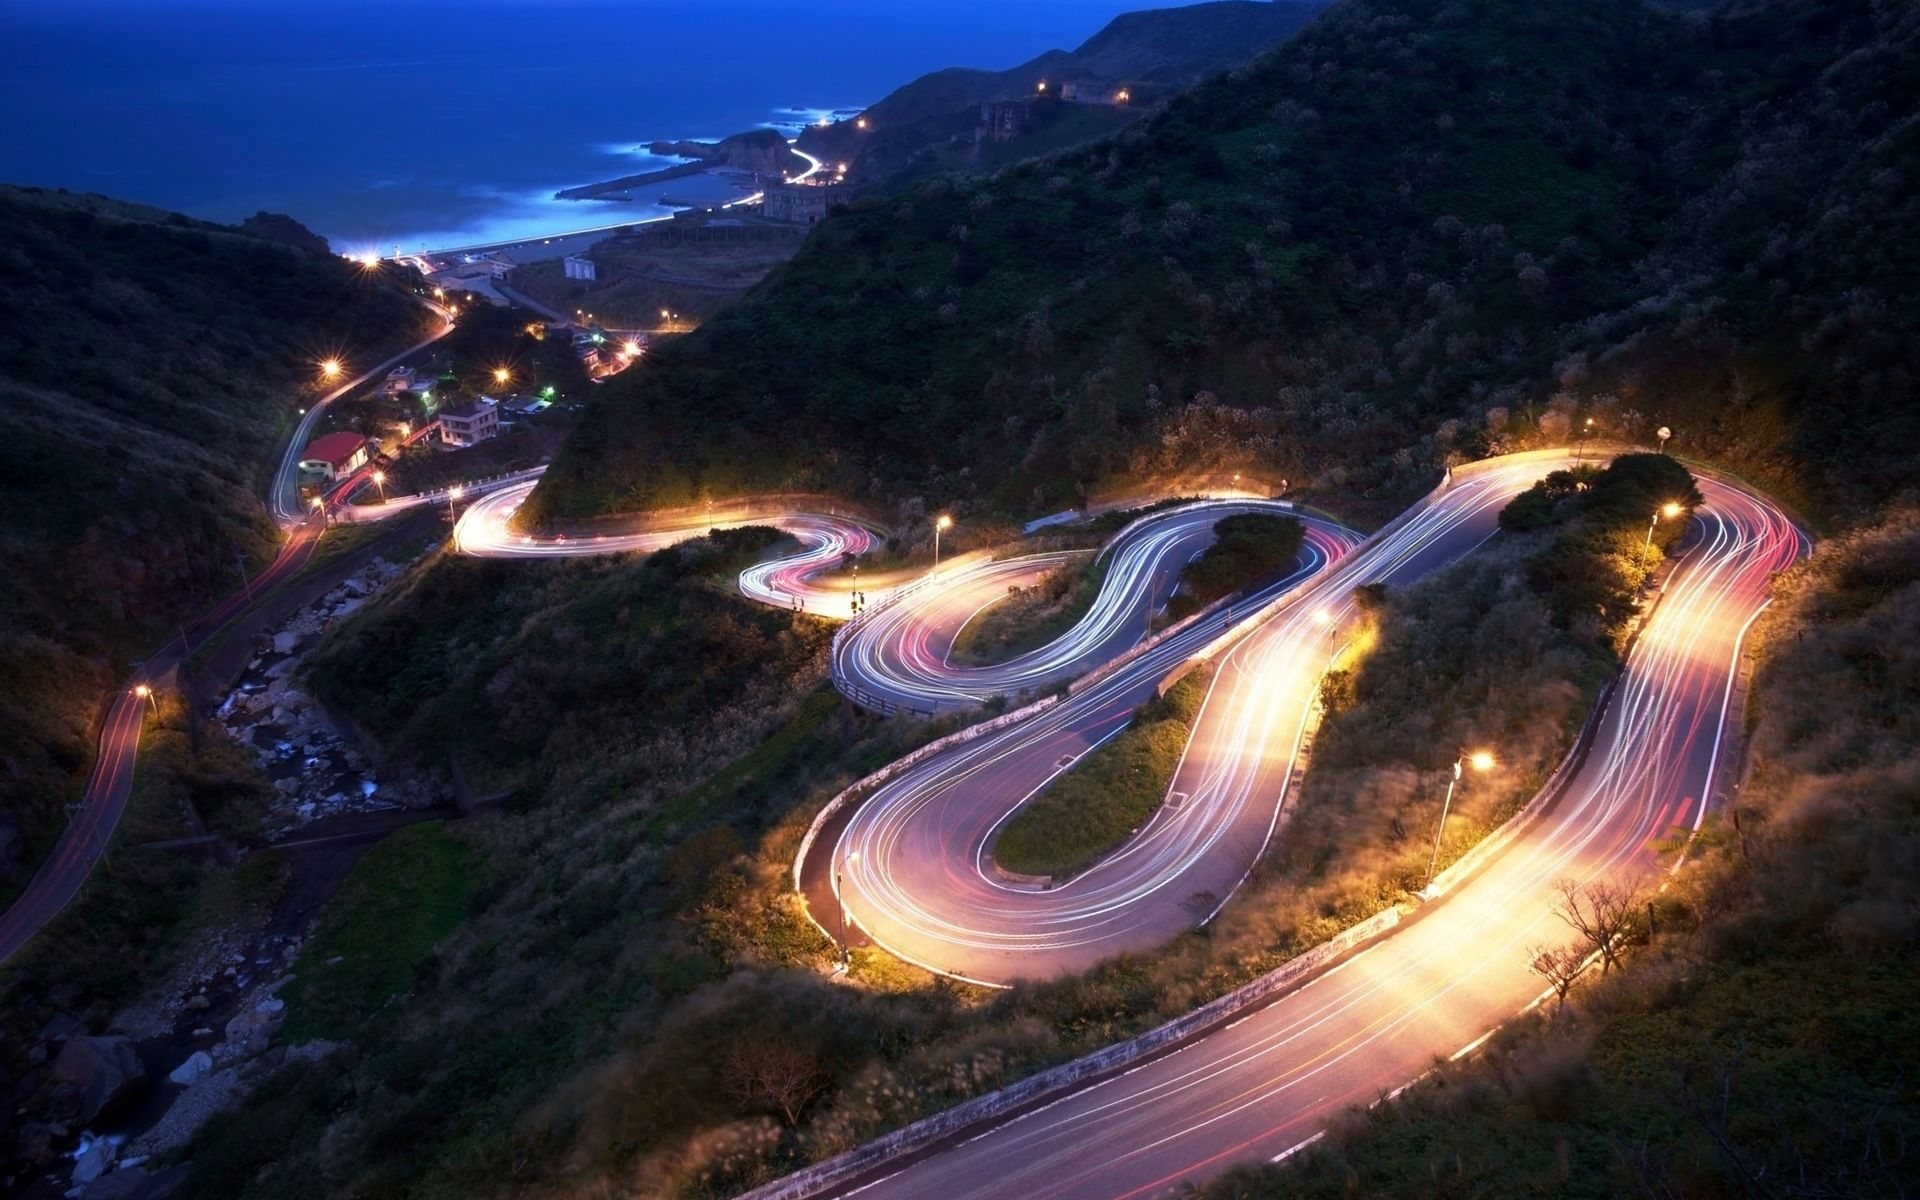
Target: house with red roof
pixel 335 454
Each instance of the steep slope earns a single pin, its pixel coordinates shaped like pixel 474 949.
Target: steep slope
pixel 1152 52
pixel 1419 229
pixel 147 364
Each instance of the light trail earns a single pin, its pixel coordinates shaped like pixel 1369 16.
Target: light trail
pixel 1269 1081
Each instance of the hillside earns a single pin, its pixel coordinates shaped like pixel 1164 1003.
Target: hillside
pixel 1417 231
pixel 148 362
pixel 1153 53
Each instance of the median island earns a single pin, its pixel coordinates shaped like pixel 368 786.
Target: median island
pixel 1030 616
pixel 1112 791
pixel 1108 794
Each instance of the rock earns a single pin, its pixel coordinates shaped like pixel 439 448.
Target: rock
pixel 94 1161
pixel 61 1028
pixel 198 1063
pixel 106 1071
pixel 272 1004
pixel 252 1031
pixel 287 787
pixel 198 1003
pixel 286 642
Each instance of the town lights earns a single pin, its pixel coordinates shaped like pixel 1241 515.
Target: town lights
pixel 1479 760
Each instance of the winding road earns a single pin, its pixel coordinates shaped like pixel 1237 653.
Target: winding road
pixel 1268 1082
pixel 103 798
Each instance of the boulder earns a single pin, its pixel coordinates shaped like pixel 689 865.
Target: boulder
pixel 104 1071
pixel 199 1003
pixel 198 1063
pixel 286 642
pixel 94 1161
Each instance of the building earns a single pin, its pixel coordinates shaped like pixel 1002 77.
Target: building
pixel 579 266
pixel 470 422
pixel 1001 120
pixel 796 203
pixel 335 455
pixel 400 379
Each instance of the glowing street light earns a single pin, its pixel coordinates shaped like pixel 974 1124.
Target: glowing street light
pixel 331 368
pixel 1479 760
pixel 501 375
pixel 860 124
pixel 943 521
pixel 1669 510
pixel 1663 433
pixel 632 348
pixel 1122 96
pixel 380 481
pixel 146 693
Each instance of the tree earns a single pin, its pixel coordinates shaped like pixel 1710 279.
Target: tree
pixel 773 1073
pixel 1601 913
pixel 1559 966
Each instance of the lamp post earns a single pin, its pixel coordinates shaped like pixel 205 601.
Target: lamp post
pixel 1663 433
pixel 1586 428
pixel 1668 510
pixel 380 481
pixel 320 506
pixel 1479 760
pixel 943 521
pixel 146 693
pixel 846 951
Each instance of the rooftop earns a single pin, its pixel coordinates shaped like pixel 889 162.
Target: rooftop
pixel 335 447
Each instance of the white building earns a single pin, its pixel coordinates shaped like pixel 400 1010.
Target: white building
pixel 579 266
pixel 471 423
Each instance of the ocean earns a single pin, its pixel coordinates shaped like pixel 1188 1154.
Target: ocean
pixel 413 124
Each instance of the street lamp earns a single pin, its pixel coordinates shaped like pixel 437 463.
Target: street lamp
pixel 943 521
pixel 380 481
pixel 1479 760
pixel 1586 428
pixel 1663 433
pixel 330 369
pixel 320 506
pixel 632 348
pixel 1669 510
pixel 846 951
pixel 501 375
pixel 146 693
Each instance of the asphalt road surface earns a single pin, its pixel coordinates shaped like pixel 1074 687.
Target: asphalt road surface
pixel 1270 1081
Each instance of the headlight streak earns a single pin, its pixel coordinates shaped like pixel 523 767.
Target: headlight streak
pixel 1274 1077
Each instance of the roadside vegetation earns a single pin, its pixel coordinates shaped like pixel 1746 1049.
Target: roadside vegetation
pixel 144 909
pixel 1757 1041
pixel 1030 616
pixel 1247 548
pixel 148 362
pixel 1103 798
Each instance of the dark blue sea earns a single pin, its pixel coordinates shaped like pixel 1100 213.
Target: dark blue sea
pixel 423 123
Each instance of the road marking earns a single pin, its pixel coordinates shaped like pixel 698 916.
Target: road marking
pixel 1290 1151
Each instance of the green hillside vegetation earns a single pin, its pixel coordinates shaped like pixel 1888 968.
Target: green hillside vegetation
pixel 1503 653
pixel 1247 549
pixel 1760 1043
pixel 1418 230
pixel 1153 52
pixel 148 362
pixel 1031 616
